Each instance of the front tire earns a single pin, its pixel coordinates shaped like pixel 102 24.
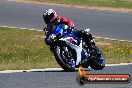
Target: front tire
pixel 61 60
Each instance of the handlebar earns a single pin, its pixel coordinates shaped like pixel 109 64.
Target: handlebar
pixel 45 30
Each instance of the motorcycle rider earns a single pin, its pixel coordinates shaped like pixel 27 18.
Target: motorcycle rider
pixel 52 19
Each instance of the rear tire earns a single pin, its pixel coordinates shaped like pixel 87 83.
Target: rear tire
pixel 97 61
pixel 85 65
pixel 96 66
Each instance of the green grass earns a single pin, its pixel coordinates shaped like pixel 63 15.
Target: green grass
pixel 104 3
pixel 116 51
pixel 25 49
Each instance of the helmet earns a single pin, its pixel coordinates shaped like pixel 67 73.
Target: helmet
pixel 49 16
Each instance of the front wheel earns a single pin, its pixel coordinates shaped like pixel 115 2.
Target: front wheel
pixel 65 58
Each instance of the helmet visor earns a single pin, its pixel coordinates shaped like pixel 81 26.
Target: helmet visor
pixel 47 18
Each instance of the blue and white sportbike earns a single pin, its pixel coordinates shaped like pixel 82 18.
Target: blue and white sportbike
pixel 72 51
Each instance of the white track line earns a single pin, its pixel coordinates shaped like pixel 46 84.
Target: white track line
pixel 121 64
pixel 42 30
pixel 20 28
pixel 55 69
pixel 10 0
pixel 113 39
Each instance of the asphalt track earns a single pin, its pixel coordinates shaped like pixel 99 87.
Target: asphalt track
pixel 59 78
pixel 116 25
pixel 110 24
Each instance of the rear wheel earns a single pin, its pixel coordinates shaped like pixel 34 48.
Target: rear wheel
pixel 65 57
pixel 96 65
pixel 97 61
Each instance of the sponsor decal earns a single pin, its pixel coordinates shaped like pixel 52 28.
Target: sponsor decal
pixel 84 78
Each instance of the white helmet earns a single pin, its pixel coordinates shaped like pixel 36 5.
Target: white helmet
pixel 49 15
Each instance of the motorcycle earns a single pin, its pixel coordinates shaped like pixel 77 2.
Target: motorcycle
pixel 71 51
